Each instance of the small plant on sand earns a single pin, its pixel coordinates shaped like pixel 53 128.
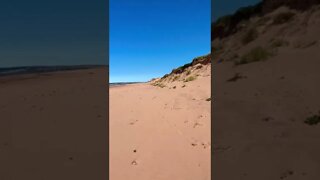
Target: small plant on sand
pixel 313 120
pixel 188 72
pixel 174 87
pixel 158 84
pixel 263 20
pixel 175 78
pixel 208 99
pixel 161 85
pixel 255 55
pixel 283 18
pixel 183 86
pixel 279 43
pixel 190 78
pixel 199 67
pixel 249 36
pixel 236 77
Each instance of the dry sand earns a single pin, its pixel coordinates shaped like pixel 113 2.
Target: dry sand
pixel 53 126
pixel 161 133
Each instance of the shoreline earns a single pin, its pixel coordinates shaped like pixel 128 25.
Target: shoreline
pixel 25 70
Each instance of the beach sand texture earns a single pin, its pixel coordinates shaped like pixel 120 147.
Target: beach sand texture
pixel 53 125
pixel 260 107
pixel 161 133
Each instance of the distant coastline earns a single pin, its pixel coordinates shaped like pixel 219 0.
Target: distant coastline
pixel 43 69
pixel 122 83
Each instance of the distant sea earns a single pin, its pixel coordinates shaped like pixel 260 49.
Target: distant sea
pixel 122 83
pixel 41 69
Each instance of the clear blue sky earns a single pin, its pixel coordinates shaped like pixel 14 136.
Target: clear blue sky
pixel 53 32
pixel 148 38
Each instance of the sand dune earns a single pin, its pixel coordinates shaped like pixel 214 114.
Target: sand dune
pixel 263 97
pixel 161 132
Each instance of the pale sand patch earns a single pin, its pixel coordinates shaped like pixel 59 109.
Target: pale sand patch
pixel 160 133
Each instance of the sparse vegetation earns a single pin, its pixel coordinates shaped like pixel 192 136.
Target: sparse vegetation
pixel 279 43
pixel 249 36
pixel 283 18
pixel 312 43
pixel 183 86
pixel 255 55
pixel 299 44
pixel 227 25
pixel 263 20
pixel 174 87
pixel 166 75
pixel 190 78
pixel 196 62
pixel 236 77
pixel 175 78
pixel 158 84
pixel 313 120
pixel 199 67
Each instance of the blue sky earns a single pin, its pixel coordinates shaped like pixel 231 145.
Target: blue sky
pixel 148 38
pixel 53 32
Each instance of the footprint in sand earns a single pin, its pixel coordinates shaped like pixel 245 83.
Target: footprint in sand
pixel 134 163
pixel 132 123
pixel 205 145
pixel 196 124
pixel 286 174
pixel 266 119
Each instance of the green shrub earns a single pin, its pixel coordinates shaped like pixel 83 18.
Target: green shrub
pixel 190 78
pixel 313 120
pixel 256 54
pixel 249 36
pixel 175 78
pixel 159 84
pixel 283 17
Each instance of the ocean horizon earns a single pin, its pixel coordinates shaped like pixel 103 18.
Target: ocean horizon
pixel 122 83
pixel 42 69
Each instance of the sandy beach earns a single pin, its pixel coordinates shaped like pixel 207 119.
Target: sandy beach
pixel 53 125
pixel 161 133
